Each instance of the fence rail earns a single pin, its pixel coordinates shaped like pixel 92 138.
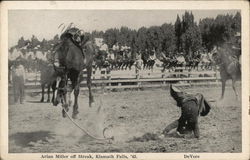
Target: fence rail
pixel 104 79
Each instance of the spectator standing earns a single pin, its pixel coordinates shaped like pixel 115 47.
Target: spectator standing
pixel 18 77
pixel 116 49
pixel 104 47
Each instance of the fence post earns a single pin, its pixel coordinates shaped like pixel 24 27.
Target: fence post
pixel 216 75
pixel 109 76
pixel 103 77
pixel 137 76
pixel 93 72
pixel 163 77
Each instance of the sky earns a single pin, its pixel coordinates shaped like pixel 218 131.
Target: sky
pixel 44 23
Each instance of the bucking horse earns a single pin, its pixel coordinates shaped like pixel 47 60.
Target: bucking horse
pixel 229 68
pixel 72 58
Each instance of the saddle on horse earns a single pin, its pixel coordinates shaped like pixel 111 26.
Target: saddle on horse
pixel 77 39
pixel 75 33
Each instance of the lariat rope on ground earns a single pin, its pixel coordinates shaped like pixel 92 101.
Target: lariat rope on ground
pixel 85 131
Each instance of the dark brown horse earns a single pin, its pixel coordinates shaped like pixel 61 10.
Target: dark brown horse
pixel 229 68
pixel 73 58
pixel 47 77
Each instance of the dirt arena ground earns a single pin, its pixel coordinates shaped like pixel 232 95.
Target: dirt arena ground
pixel 36 127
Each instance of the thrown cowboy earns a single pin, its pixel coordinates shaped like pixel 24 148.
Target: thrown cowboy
pixel 192 106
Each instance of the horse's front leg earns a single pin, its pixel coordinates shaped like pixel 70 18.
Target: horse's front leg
pixel 43 86
pixel 234 88
pixel 76 87
pixel 65 105
pixel 91 98
pixel 48 92
pixel 223 89
pixel 69 95
pixel 75 107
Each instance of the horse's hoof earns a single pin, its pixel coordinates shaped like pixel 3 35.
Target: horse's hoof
pixel 90 104
pixel 219 100
pixel 161 136
pixel 74 114
pixel 48 100
pixel 63 113
pixel 70 102
pixel 66 108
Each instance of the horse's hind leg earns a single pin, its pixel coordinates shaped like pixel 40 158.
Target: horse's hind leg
pixel 69 95
pixel 42 99
pixel 65 106
pixel 48 92
pixel 234 88
pixel 75 107
pixel 223 89
pixel 89 72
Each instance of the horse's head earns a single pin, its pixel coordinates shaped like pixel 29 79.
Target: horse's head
pixel 216 58
pixel 59 54
pixel 59 63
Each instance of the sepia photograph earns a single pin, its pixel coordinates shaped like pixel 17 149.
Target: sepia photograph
pixel 122 82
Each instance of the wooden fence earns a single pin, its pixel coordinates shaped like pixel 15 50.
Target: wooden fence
pixel 121 79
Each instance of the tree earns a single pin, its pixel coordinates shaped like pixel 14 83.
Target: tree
pixel 21 42
pixel 44 45
pixel 34 41
pixel 190 36
pixel 187 21
pixel 206 33
pixel 125 36
pixel 97 34
pixel 140 40
pixel 219 30
pixel 168 43
pixel 132 44
pixel 56 39
pixel 191 40
pixel 237 22
pixel 178 32
pixel 154 38
pixel 110 36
